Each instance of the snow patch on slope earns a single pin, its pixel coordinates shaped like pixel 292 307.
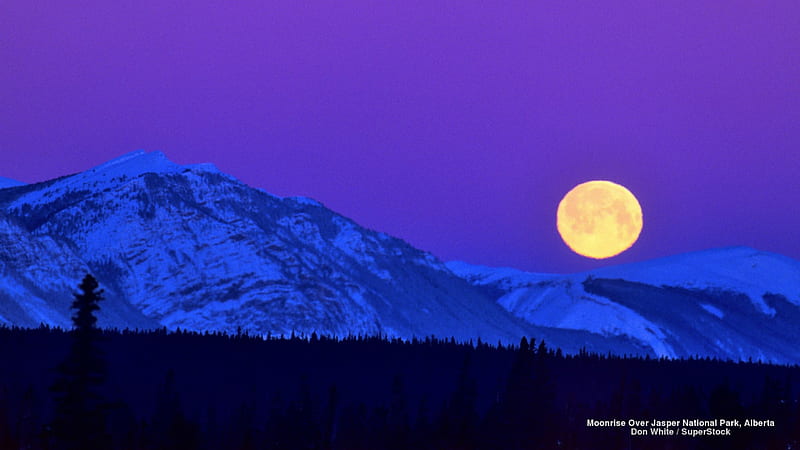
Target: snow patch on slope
pixel 713 310
pixel 564 304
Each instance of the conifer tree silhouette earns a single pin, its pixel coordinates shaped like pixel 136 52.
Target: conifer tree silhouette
pixel 80 412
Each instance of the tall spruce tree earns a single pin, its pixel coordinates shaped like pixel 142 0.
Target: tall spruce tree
pixel 80 412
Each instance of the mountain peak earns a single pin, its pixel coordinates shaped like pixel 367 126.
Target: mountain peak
pixel 140 162
pixel 135 163
pixel 137 157
pixel 128 166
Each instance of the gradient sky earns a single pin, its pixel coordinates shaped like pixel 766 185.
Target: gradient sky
pixel 455 125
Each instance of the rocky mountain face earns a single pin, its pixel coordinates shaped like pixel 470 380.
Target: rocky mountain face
pixel 736 303
pixel 191 247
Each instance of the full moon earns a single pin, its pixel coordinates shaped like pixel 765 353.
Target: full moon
pixel 599 219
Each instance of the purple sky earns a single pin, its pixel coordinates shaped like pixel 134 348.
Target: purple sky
pixel 455 125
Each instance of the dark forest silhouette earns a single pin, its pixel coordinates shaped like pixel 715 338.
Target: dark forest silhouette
pixel 186 390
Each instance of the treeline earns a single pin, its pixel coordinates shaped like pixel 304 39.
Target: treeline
pixel 185 390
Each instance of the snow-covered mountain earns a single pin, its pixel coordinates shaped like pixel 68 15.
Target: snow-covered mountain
pixel 736 302
pixel 191 247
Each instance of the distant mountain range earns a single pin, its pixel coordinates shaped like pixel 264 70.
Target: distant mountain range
pixel 191 247
pixel 736 302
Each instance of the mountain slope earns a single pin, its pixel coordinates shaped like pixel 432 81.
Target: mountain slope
pixel 732 303
pixel 38 275
pixel 8 182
